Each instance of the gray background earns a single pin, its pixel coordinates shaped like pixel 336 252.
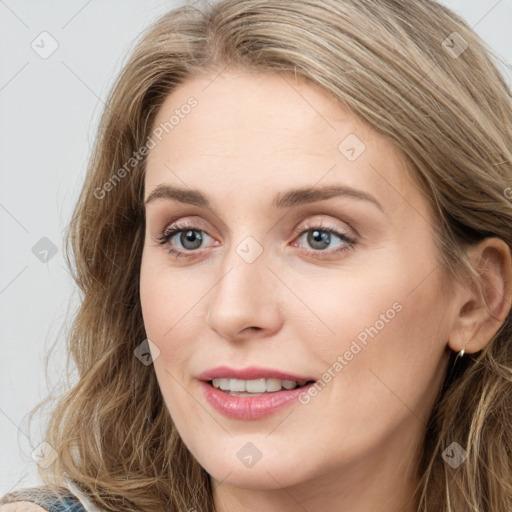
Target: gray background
pixel 49 110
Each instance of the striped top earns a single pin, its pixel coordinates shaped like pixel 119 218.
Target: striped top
pixel 71 500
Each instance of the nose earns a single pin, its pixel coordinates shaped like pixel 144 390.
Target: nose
pixel 245 302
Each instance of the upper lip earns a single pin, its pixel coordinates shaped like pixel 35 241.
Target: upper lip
pixel 250 373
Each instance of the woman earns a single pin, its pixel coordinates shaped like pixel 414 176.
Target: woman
pixel 294 248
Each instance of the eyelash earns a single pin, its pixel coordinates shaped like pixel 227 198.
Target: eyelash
pixel 168 233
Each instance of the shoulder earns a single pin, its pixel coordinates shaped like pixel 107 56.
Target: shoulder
pixel 41 499
pixel 21 506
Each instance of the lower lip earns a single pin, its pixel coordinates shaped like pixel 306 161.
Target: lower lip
pixel 251 407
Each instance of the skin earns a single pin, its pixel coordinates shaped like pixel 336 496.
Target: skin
pixel 355 445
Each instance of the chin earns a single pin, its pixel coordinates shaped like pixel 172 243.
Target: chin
pixel 261 478
pixel 273 473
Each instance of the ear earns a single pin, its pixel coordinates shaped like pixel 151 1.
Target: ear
pixel 483 307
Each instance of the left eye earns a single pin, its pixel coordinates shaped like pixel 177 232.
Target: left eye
pixel 320 239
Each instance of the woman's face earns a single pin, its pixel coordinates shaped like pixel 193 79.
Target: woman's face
pixel 275 269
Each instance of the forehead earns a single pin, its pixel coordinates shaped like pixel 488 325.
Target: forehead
pixel 255 131
pixel 258 104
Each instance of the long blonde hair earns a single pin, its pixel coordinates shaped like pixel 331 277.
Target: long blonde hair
pixel 416 73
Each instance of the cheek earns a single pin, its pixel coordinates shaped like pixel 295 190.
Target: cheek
pixel 173 310
pixel 163 317
pixel 165 321
pixel 166 296
pixel 389 341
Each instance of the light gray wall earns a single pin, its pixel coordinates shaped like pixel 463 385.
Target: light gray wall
pixel 49 109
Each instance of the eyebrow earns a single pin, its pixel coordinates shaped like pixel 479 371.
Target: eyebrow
pixel 287 199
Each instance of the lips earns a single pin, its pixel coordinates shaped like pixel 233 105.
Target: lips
pixel 247 407
pixel 250 373
pixel 255 407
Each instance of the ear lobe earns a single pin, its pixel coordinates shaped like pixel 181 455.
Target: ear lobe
pixel 484 305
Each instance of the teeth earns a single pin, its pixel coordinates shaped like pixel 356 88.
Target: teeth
pixel 255 385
